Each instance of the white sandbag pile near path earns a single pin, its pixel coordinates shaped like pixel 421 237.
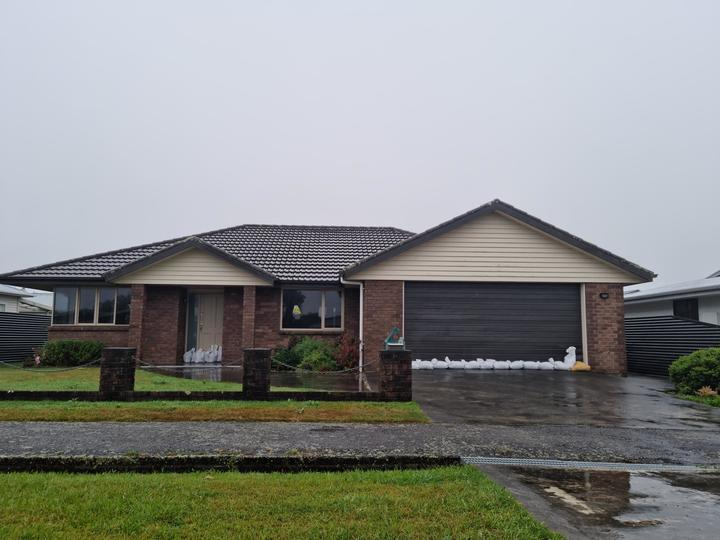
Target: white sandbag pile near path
pixel 479 363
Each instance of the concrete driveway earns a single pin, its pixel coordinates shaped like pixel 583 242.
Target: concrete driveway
pixel 556 398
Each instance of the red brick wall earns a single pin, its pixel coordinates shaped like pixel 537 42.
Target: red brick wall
pixel 267 318
pixel 249 315
pixel 137 314
pixel 605 328
pixel 163 324
pixel 233 325
pixel 383 310
pixel 111 336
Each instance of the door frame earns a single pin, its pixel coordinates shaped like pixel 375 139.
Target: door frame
pixel 206 290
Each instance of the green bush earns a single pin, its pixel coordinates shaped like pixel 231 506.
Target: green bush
pixel 307 353
pixel 698 369
pixel 70 352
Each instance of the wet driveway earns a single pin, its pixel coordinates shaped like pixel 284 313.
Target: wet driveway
pixel 616 504
pixel 556 398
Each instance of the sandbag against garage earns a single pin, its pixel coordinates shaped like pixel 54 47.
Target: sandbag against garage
pixel 503 321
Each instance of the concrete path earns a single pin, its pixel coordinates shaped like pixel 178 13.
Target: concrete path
pixel 688 446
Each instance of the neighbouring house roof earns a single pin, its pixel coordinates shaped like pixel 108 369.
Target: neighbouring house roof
pixel 36 305
pixel 707 285
pixel 9 290
pixel 716 274
pixel 503 208
pixel 286 253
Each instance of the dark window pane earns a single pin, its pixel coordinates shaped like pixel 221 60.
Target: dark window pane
pixel 86 305
pixel 687 308
pixel 122 306
pixel 106 305
pixel 333 309
pixel 64 305
pixel 301 308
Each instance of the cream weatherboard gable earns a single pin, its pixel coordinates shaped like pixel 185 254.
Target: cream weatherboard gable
pixel 494 247
pixel 192 267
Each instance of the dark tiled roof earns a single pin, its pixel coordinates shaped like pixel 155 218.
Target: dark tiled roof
pixel 288 252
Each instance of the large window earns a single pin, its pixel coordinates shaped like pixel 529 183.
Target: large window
pixel 91 305
pixel 311 309
pixel 687 308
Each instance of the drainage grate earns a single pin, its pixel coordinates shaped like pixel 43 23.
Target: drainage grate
pixel 593 465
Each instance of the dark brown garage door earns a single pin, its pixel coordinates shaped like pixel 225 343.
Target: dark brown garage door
pixel 504 321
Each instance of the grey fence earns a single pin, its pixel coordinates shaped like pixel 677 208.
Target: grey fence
pixel 20 332
pixel 653 343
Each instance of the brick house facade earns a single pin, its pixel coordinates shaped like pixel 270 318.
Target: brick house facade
pixel 446 289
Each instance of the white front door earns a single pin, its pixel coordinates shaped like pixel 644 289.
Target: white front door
pixel 209 320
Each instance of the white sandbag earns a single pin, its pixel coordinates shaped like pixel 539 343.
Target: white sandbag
pixel 547 366
pixel 472 364
pixel 426 364
pixel 502 364
pixel 415 364
pixel 570 356
pixel 488 364
pixel 456 364
pixel 187 357
pixel 437 364
pixel 517 364
pixel 562 366
pixel 531 365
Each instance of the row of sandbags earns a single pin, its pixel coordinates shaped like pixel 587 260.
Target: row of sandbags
pixel 200 356
pixel 551 364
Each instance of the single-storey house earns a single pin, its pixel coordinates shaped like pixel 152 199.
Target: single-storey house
pixel 495 282
pixel 10 298
pixel 698 300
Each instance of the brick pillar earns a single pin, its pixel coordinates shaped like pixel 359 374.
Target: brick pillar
pixel 248 317
pixel 137 312
pixel 605 328
pixel 117 372
pixel 382 310
pixel 256 373
pixel 232 340
pixel 395 375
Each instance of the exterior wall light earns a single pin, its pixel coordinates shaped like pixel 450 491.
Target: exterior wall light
pixel 604 295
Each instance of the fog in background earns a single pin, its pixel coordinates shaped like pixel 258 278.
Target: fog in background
pixel 129 122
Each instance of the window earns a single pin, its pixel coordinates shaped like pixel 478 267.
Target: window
pixel 64 305
pixel 311 309
pixel 91 305
pixel 686 308
pixel 2 308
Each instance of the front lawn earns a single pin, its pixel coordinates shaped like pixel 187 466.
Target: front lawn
pixel 89 379
pixel 452 502
pixel 240 411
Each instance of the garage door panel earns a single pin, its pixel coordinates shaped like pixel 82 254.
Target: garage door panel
pixel 525 321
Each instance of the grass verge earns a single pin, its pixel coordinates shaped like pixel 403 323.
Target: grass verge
pixel 713 401
pixel 240 411
pixel 451 502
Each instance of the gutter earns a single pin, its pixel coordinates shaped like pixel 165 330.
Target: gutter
pixel 361 345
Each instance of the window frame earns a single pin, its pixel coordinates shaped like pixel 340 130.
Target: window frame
pixel 693 301
pixel 322 329
pixel 96 313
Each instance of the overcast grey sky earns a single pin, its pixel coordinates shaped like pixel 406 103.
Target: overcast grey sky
pixel 134 121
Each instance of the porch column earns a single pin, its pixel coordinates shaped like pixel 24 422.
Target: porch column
pixel 232 335
pixel 137 312
pixel 248 317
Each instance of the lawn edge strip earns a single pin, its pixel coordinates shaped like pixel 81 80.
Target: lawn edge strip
pixel 221 463
pixel 189 395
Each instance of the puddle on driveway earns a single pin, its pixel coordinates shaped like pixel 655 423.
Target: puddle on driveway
pixel 632 505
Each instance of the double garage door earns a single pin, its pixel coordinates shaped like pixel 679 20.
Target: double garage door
pixel 503 321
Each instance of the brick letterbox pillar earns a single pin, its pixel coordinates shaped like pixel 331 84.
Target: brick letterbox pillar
pixel 396 375
pixel 117 372
pixel 256 373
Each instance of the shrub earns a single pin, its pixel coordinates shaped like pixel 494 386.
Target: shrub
pixel 287 356
pixel 706 391
pixel 70 352
pixel 319 360
pixel 692 372
pixel 347 355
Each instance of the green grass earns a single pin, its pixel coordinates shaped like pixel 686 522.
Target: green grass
pixel 89 379
pixel 713 401
pixel 240 411
pixel 453 502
